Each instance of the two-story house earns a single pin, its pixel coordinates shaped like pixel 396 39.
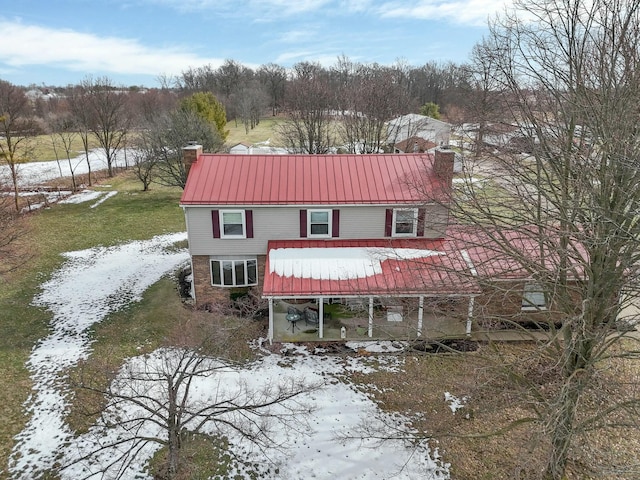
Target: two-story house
pixel 325 227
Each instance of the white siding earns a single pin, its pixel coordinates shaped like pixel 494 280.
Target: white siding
pixel 283 223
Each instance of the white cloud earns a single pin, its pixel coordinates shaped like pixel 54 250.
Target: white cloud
pixel 473 12
pixel 255 9
pixel 36 45
pixel 287 7
pixel 297 36
pixel 288 57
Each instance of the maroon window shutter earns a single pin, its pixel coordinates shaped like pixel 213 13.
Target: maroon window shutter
pixel 215 221
pixel 303 224
pixel 248 218
pixel 421 216
pixel 388 223
pixel 335 223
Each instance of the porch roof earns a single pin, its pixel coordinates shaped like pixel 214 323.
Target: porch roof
pixel 379 267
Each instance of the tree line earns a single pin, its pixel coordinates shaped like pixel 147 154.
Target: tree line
pixel 308 97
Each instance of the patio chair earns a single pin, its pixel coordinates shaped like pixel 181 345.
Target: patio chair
pixel 294 311
pixel 310 316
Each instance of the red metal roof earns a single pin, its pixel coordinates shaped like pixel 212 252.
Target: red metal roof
pixel 311 179
pixel 444 274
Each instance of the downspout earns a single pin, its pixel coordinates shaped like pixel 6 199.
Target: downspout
pixel 320 317
pixel 370 332
pixel 270 333
pixel 470 316
pixel 420 314
pixel 474 273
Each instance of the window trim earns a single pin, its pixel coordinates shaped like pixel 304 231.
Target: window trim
pixel 234 263
pixel 329 223
pixel 414 231
pixel 533 288
pixel 244 224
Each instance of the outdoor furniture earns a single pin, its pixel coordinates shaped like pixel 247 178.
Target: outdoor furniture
pixel 293 318
pixel 311 316
pixel 293 310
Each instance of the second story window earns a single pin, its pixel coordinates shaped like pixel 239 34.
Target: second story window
pixel 405 222
pixel 319 223
pixel 232 224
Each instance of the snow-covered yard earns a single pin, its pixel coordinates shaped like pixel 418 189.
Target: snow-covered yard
pixel 32 174
pixel 95 282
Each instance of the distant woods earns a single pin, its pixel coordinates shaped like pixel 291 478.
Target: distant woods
pixel 248 94
pixel 342 107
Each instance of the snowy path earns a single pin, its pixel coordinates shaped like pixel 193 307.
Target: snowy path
pixel 89 286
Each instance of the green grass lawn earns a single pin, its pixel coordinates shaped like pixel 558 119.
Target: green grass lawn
pixel 265 130
pixel 129 215
pixel 41 147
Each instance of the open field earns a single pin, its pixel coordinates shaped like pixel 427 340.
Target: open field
pixel 264 131
pixel 41 147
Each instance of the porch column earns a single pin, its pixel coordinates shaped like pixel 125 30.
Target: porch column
pixel 470 315
pixel 370 332
pixel 420 314
pixel 270 334
pixel 320 317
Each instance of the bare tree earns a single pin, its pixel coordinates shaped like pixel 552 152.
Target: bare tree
pixel 144 166
pixel 16 127
pixel 484 93
pixel 151 402
pixel 13 229
pixel 63 134
pixel 274 78
pixel 80 110
pixel 251 105
pixel 308 127
pixel 160 146
pixel 108 115
pixel 567 215
pixel 372 97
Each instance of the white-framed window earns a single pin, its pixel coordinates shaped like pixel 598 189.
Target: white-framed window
pixel 234 273
pixel 233 224
pixel 319 223
pixel 533 298
pixel 405 222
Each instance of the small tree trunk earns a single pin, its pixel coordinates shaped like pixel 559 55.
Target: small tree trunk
pixel 562 432
pixel 173 426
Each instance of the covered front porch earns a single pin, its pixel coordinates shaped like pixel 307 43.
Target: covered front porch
pixel 373 318
pixel 368 289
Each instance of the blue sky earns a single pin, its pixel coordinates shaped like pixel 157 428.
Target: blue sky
pixel 59 42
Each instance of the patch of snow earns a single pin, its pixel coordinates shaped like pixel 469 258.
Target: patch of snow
pixel 454 402
pixel 81 197
pixel 105 197
pixel 318 447
pixel 338 263
pixel 90 285
pixel 37 173
pixel 380 346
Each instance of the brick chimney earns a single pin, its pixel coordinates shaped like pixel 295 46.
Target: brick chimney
pixel 190 155
pixel 443 163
